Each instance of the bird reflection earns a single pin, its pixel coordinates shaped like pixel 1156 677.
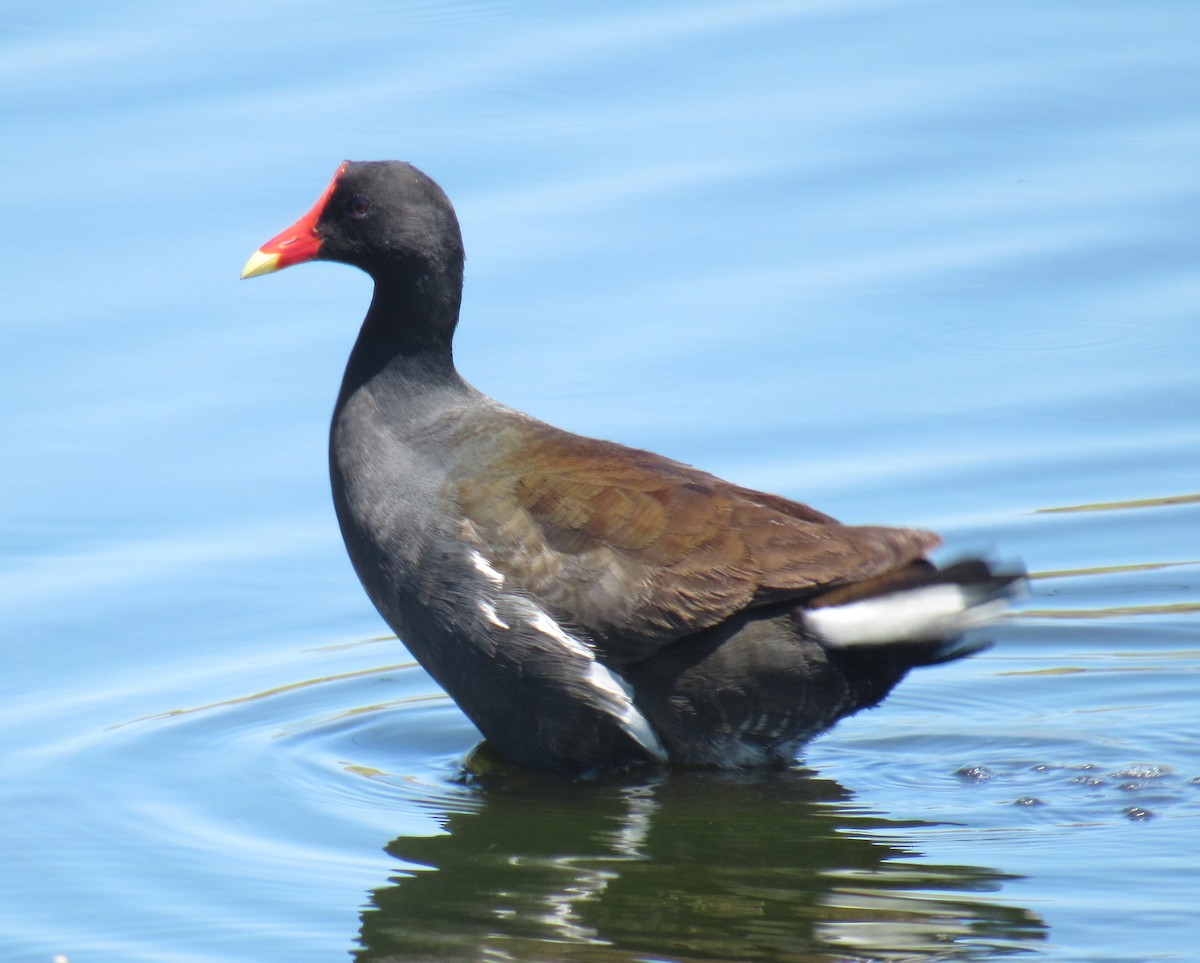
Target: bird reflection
pixel 684 865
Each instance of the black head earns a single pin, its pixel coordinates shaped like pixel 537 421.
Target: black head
pixel 385 217
pixel 395 223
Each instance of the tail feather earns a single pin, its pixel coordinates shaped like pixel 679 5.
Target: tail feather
pixel 922 604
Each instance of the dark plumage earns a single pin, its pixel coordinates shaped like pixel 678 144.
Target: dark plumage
pixel 587 604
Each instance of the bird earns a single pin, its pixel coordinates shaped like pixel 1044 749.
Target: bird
pixel 592 607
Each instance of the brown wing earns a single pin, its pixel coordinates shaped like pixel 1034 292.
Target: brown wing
pixel 637 551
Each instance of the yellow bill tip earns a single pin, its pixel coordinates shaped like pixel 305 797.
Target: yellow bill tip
pixel 260 263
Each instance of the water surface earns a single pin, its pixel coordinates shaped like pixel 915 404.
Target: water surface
pixel 924 264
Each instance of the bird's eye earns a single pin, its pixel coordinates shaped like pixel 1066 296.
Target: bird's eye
pixel 358 206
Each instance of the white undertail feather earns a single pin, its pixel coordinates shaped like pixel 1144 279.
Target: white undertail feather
pixel 912 615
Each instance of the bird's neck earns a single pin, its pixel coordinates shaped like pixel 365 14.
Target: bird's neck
pixel 406 338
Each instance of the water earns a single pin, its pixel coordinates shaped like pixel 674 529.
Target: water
pixel 926 264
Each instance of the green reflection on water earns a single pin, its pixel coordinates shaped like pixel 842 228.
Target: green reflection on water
pixel 687 865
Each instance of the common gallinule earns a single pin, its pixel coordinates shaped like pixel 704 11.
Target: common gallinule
pixel 589 605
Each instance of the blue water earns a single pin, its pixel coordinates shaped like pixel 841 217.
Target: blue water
pixel 927 264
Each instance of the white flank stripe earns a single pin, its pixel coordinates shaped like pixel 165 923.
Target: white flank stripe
pixel 484 568
pixel 616 691
pixel 547 626
pixel 936 611
pixel 630 717
pixel 489 613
